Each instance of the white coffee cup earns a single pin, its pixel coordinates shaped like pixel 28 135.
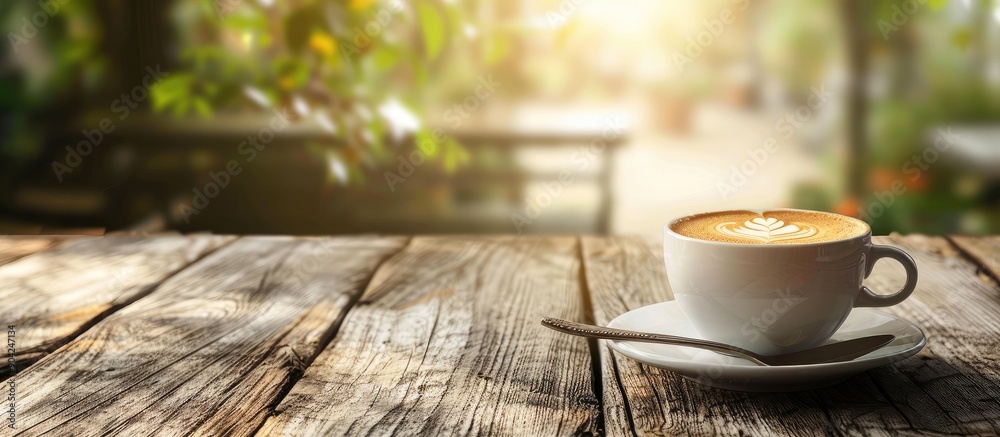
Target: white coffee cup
pixel 776 298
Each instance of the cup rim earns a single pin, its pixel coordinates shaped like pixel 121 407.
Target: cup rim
pixel 668 231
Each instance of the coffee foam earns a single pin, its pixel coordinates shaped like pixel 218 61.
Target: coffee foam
pixel 769 227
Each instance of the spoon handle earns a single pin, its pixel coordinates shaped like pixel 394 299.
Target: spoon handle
pixel 602 332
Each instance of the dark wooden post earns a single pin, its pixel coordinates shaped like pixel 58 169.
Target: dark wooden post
pixel 853 13
pixel 149 34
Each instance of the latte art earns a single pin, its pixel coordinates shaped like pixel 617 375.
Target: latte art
pixel 767 230
pixel 785 226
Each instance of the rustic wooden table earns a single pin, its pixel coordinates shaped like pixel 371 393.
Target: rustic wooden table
pixel 216 335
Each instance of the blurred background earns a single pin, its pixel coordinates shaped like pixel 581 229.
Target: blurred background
pixel 434 116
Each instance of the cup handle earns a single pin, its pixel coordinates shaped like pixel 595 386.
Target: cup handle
pixel 869 299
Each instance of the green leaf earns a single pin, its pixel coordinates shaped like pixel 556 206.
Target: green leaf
pixel 300 24
pixel 936 5
pixel 425 142
pixel 202 107
pixel 432 26
pixel 181 107
pixel 245 21
pixel 170 90
pixel 962 38
pixel 454 15
pixel 385 58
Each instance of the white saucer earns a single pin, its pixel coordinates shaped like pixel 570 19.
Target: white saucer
pixel 731 373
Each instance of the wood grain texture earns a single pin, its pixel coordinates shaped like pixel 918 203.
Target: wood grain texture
pixel 444 340
pixel 953 385
pixel 950 388
pixel 447 341
pixel 985 251
pixel 210 350
pixel 624 273
pixel 13 248
pixel 54 295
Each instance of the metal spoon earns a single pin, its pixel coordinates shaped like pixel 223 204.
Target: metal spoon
pixel 841 351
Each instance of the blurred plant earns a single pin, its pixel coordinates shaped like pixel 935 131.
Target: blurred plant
pixel 353 67
pixel 952 91
pixel 43 67
pixel 798 42
pixel 931 67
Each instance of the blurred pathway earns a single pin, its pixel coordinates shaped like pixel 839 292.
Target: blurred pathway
pixel 659 176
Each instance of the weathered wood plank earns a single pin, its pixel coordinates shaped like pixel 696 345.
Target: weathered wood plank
pixel 953 386
pixel 625 273
pixel 447 340
pixel 54 295
pixel 983 250
pixel 14 247
pixel 948 388
pixel 622 274
pixel 209 350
